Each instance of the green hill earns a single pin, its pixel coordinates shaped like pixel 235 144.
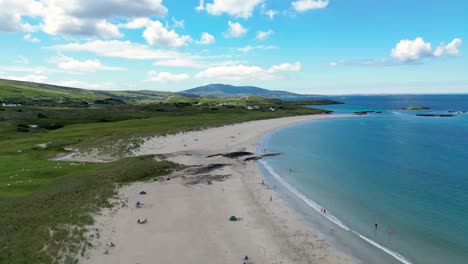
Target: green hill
pixel 20 92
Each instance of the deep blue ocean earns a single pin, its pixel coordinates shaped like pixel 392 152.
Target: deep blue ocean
pixel 394 169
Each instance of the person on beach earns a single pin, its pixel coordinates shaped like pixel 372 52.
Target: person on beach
pixel 138 204
pixel 142 222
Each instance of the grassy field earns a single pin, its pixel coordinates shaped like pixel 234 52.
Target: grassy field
pixel 27 93
pixel 45 204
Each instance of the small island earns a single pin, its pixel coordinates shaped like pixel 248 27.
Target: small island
pixel 416 107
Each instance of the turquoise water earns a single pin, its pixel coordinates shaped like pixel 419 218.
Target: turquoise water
pixel 394 169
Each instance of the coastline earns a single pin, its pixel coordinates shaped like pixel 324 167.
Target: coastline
pixel 188 223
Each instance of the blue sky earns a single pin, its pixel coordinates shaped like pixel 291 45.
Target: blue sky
pixel 306 46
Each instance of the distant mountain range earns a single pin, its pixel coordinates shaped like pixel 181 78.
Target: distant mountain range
pixel 225 90
pixel 27 92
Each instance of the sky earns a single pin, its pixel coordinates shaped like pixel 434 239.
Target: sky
pixel 304 46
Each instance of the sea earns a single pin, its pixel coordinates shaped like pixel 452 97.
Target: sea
pixel 394 185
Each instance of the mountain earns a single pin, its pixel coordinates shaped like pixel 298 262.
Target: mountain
pixel 225 90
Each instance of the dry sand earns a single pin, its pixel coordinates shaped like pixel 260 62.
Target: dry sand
pixel 188 217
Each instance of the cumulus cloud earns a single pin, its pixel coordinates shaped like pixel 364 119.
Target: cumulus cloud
pixel 135 23
pixel 413 50
pixel 305 5
pixel 56 23
pixel 235 30
pixel 76 17
pixel 245 72
pixel 111 8
pixel 120 49
pixel 206 39
pixel 235 8
pixel 13 11
pixel 156 34
pixel 453 48
pixel 154 76
pixel 262 35
pixel 71 64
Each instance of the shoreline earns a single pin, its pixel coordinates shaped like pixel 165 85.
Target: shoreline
pixel 188 223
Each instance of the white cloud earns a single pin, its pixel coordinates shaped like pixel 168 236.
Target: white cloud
pixel 27 78
pixel 56 23
pixel 304 5
pixel 76 17
pixel 271 13
pixel 245 72
pixel 111 8
pixel 235 30
pixel 262 35
pixel 136 23
pixel 13 11
pixel 236 8
pixel 156 34
pixel 297 66
pixel 201 6
pixel 413 50
pixel 30 38
pixel 207 39
pixel 250 48
pixel 453 48
pixel 120 49
pixel 154 76
pixel 71 64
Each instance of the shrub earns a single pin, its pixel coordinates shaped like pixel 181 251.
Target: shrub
pixel 41 115
pixel 52 126
pixel 22 129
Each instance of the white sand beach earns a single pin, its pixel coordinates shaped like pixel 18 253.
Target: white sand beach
pixel 188 215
